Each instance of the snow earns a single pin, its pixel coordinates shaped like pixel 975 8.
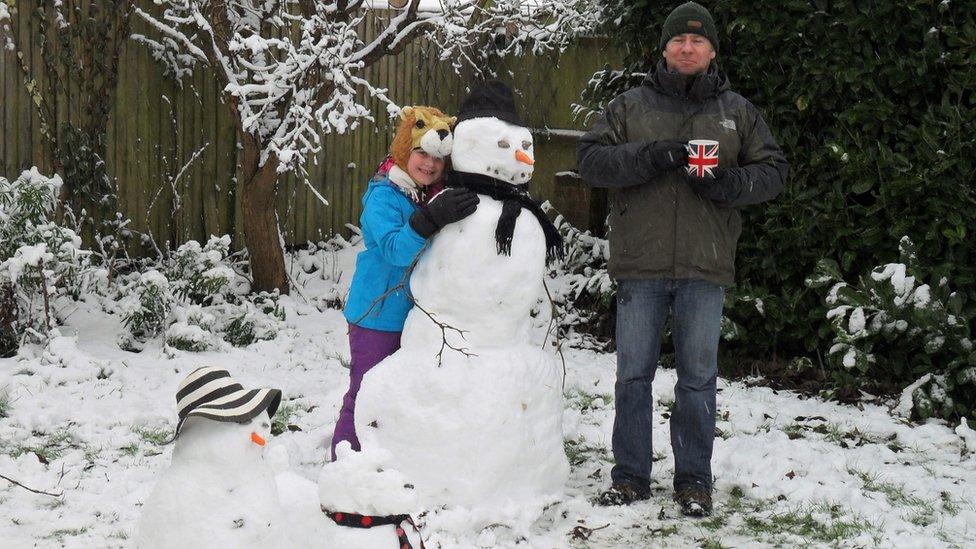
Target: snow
pixel 91 410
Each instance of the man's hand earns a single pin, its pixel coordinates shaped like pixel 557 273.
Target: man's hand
pixel 664 156
pixel 447 207
pixel 720 188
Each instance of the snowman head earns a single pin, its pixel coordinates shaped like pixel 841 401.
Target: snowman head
pixel 490 138
pixel 222 443
pixel 495 148
pixel 211 394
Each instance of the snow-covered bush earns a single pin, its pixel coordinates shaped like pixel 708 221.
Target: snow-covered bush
pixel 205 274
pixel 894 326
pixel 200 302
pixel 43 266
pixel 254 320
pixel 585 296
pixel 192 330
pixel 146 305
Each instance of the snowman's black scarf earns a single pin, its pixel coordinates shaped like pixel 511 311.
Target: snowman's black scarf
pixel 513 199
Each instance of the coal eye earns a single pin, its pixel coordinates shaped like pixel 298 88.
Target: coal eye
pixel 503 144
pixel 420 124
pixel 526 145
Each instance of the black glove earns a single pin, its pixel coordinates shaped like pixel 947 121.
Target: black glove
pixel 664 156
pixel 447 207
pixel 721 188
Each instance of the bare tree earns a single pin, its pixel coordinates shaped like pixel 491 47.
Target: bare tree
pixel 292 70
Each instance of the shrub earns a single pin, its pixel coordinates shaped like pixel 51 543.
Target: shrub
pixel 145 307
pixel 204 274
pixel 894 327
pixel 43 266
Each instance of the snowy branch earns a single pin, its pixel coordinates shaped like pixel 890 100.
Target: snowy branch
pixel 294 69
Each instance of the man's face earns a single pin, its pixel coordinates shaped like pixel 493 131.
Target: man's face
pixel 688 54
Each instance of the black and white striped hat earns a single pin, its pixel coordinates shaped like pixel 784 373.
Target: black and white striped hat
pixel 211 393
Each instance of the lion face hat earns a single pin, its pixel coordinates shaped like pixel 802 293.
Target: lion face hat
pixel 423 127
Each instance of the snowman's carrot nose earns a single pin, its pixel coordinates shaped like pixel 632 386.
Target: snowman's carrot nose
pixel 256 439
pixel 522 157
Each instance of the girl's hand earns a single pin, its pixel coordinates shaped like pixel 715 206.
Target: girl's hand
pixel 447 207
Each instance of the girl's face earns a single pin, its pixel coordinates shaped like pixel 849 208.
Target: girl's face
pixel 423 168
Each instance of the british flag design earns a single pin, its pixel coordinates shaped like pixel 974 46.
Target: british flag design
pixel 702 158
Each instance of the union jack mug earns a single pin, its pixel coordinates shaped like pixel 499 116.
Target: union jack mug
pixel 702 157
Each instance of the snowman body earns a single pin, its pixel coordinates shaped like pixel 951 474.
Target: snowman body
pixel 217 492
pixel 480 423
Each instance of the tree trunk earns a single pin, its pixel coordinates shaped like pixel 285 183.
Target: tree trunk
pixel 261 232
pixel 8 320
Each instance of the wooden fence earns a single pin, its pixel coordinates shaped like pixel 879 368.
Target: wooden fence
pixel 157 126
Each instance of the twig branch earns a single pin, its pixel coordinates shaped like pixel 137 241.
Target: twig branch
pixel 444 329
pixel 29 489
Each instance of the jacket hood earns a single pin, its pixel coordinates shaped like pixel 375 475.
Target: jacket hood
pixel 698 87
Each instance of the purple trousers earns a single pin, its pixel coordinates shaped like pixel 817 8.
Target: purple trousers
pixel 366 349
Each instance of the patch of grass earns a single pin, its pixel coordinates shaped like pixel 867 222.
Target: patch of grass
pixel 923 510
pixel 50 449
pixel 582 400
pixel 579 452
pixel 823 522
pixel 715 522
pixel 711 543
pixel 130 449
pixel 793 431
pixel 949 505
pixel 62 533
pixel 4 403
pixel 665 532
pixel 155 435
pixel 282 418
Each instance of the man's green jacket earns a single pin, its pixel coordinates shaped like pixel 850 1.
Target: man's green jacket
pixel 659 226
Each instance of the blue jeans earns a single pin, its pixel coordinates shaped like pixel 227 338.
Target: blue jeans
pixel 642 310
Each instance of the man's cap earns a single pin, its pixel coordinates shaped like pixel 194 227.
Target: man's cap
pixel 689 17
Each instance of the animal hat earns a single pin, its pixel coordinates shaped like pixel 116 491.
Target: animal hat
pixel 421 127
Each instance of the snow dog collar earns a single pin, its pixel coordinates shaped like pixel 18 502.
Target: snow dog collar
pixel 353 520
pixel 212 393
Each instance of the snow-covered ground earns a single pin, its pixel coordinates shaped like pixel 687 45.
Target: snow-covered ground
pixel 82 417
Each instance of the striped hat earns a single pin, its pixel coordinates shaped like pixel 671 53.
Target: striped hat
pixel 211 393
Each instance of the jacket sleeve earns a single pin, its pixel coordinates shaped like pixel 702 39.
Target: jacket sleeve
pixel 606 159
pixel 762 170
pixel 383 221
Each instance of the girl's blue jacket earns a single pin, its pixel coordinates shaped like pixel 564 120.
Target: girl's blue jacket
pixel 391 246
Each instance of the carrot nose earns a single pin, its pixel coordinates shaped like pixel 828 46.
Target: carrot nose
pixel 256 439
pixel 522 157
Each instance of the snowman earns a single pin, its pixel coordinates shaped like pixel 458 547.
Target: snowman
pixel 217 492
pixel 470 408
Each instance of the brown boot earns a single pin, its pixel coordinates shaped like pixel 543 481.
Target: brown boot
pixel 621 494
pixel 694 502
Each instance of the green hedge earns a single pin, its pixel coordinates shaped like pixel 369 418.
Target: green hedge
pixel 874 104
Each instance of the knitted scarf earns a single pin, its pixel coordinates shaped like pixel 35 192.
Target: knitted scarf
pixel 513 199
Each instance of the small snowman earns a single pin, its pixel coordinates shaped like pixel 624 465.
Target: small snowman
pixel 217 492
pixel 470 407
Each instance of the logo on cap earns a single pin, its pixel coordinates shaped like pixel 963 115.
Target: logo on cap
pixel 695 24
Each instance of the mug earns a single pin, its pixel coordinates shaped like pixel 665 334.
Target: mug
pixel 702 157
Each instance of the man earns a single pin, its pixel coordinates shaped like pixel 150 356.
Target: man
pixel 672 244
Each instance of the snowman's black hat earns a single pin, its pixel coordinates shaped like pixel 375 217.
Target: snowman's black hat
pixel 211 393
pixel 490 99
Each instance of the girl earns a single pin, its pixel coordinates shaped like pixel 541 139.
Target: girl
pixel 399 215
